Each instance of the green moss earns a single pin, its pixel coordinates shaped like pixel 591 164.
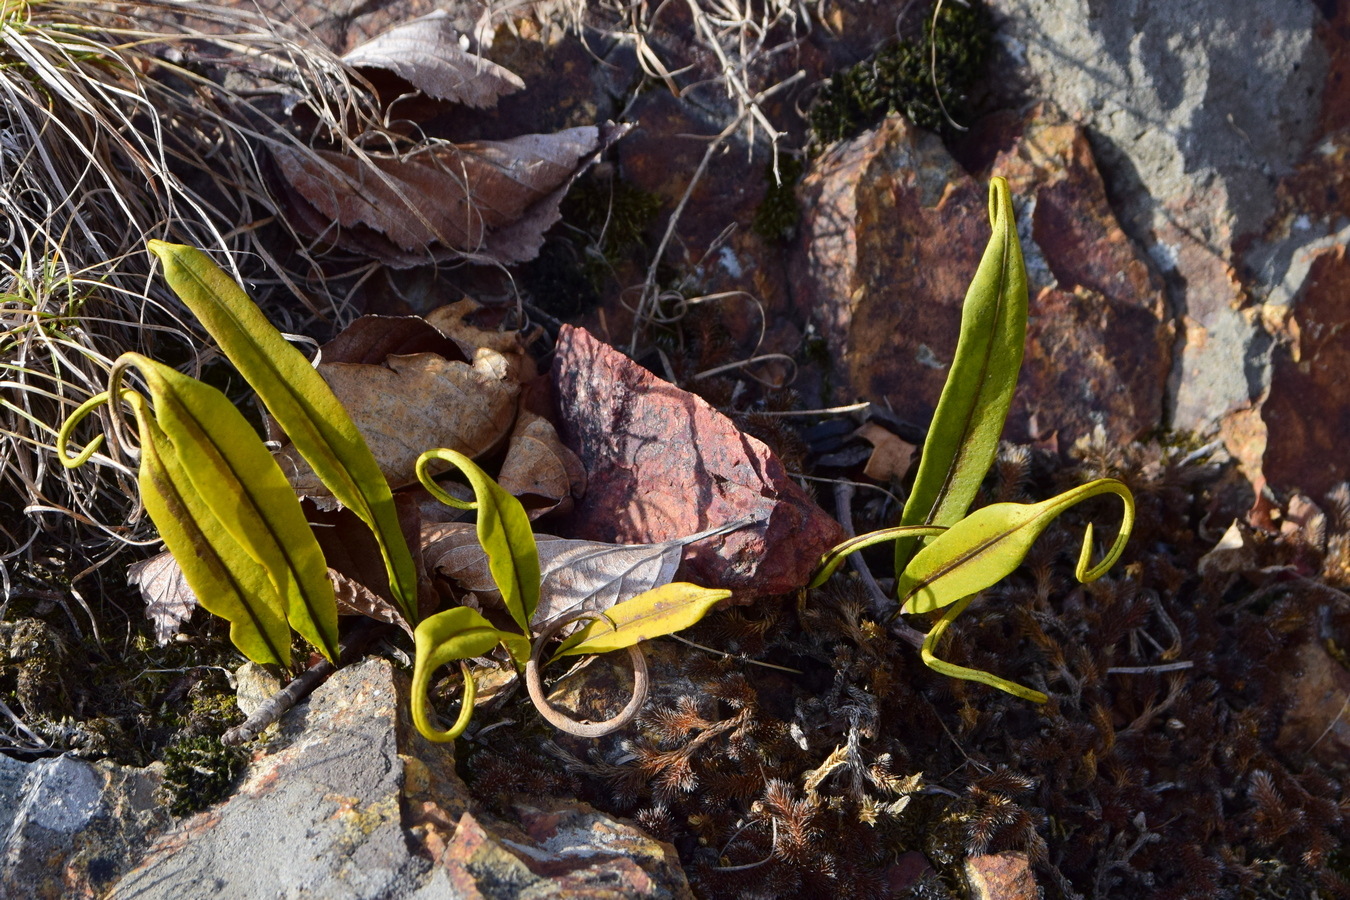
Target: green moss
pixel 900 78
pixel 614 213
pixel 607 221
pixel 199 771
pixel 777 215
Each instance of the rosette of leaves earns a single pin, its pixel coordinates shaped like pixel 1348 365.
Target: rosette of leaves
pixel 943 556
pixel 236 528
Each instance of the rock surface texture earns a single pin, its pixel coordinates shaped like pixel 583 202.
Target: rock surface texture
pixel 348 802
pixel 1099 339
pixel 662 464
pixel 1206 118
pixel 70 828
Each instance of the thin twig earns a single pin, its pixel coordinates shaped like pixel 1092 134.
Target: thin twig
pixel 300 687
pixel 1150 670
pixel 882 606
pixel 648 297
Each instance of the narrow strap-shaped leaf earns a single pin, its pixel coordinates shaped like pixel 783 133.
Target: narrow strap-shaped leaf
pixel 835 556
pixel 503 530
pixel 302 403
pixel 951 670
pixel 226 580
pixel 233 473
pixel 455 634
pixel 988 544
pixel 660 611
pixel 963 438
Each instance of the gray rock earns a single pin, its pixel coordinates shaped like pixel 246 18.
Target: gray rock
pixel 1195 109
pixel 70 827
pixel 349 802
pixel 317 816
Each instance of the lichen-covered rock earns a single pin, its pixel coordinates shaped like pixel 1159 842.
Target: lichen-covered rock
pixel 662 464
pixel 348 801
pixel 71 828
pixel 319 813
pixel 1001 876
pixel 894 234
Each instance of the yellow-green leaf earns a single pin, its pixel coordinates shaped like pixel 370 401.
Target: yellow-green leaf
pixel 302 403
pixel 951 670
pixel 455 634
pixel 232 472
pixel 660 611
pixel 225 578
pixel 503 530
pixel 987 545
pixel 835 556
pixel 963 437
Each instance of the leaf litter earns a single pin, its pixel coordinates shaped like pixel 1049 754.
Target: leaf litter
pixel 577 575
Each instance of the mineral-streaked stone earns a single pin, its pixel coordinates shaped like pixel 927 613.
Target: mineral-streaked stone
pixel 894 233
pixel 662 463
pixel 71 827
pixel 350 802
pixel 1194 108
pixel 1001 876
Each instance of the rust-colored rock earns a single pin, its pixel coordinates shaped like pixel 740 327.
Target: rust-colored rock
pixel 1001 876
pixel 661 464
pixel 895 231
pixel 1315 722
pixel 1307 413
pixel 659 156
pixel 572 851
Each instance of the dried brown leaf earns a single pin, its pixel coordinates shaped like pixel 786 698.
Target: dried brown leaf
pixel 355 599
pixel 539 469
pixel 356 565
pixel 576 575
pixel 415 403
pixel 372 339
pixel 426 54
pixel 891 454
pixel 453 321
pixel 493 200
pixel 169 601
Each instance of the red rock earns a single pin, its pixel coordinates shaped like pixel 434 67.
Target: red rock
pixel 1307 412
pixel 1001 876
pixel 906 872
pixel 895 231
pixel 662 463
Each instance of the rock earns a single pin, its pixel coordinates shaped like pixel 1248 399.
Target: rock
pixel 350 802
pixel 1307 411
pixel 317 814
pixel 659 157
pixel 1224 152
pixel 895 231
pixel 72 827
pixel 1001 876
pixel 569 851
pixel 907 871
pixel 661 464
pixel 1315 723
pixel 1192 117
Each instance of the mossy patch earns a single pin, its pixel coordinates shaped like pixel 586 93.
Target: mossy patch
pixel 778 213
pixel 606 224
pixel 908 77
pixel 200 771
